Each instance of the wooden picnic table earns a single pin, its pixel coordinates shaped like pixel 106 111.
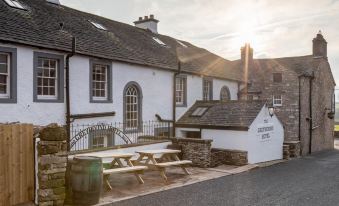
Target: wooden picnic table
pixel 117 166
pixel 168 157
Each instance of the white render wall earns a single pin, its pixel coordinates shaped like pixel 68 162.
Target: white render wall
pixel 156 88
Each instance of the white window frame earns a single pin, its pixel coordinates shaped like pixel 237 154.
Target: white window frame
pixel 159 41
pixel 180 90
pixel 207 92
pixel 99 98
pixel 56 80
pixel 132 108
pixel 98 26
pixel 275 99
pixel 7 95
pixel 99 145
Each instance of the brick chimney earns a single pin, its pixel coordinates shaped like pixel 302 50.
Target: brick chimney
pixel 149 23
pixel 246 52
pixel 319 46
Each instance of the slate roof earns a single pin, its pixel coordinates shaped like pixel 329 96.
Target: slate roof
pixel 301 65
pixel 40 26
pixel 234 114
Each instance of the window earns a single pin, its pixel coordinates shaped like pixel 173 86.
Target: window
pixel 199 111
pixel 7 75
pixel 98 26
pixel 277 100
pixel 101 82
pixel 132 107
pixel 4 75
pixel 225 94
pixel 99 141
pixel 48 77
pixel 15 4
pixel 277 77
pixel 180 91
pixel 207 89
pixel 159 41
pixel 182 44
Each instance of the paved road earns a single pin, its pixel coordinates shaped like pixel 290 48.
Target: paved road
pixel 313 180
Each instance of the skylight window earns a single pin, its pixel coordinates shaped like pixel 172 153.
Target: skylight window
pixel 182 44
pixel 159 41
pixel 14 4
pixel 98 26
pixel 199 111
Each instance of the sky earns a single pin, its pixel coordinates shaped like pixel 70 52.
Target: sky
pixel 274 28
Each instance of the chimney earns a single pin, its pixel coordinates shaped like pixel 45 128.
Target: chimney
pixel 319 46
pixel 246 52
pixel 149 23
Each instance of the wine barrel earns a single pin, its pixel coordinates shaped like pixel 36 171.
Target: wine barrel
pixel 86 180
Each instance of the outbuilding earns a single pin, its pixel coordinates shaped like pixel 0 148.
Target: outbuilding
pixel 236 125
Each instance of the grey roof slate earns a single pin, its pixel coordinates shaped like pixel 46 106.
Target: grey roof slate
pixel 234 113
pixel 39 26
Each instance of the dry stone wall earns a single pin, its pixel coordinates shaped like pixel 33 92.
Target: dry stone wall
pixel 52 162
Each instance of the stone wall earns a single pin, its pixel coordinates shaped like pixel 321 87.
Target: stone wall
pixel 52 162
pixel 293 148
pixel 229 157
pixel 196 150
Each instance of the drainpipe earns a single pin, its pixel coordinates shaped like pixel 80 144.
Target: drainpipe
pixel 299 108
pixel 68 104
pixel 311 117
pixel 174 108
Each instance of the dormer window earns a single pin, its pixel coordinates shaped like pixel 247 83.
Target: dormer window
pixel 98 26
pixel 182 44
pixel 15 4
pixel 159 41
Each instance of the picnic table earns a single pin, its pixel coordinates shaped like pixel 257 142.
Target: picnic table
pixel 117 166
pixel 168 157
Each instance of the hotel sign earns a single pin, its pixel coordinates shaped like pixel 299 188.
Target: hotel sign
pixel 265 132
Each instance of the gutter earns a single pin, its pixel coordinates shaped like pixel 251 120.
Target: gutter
pixel 174 106
pixel 68 102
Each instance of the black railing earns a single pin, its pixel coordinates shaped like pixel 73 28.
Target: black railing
pixel 103 135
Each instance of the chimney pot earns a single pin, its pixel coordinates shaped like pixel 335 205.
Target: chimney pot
pixel 140 18
pixel 146 17
pixel 151 16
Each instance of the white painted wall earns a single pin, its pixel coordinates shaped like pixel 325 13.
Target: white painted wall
pixel 218 84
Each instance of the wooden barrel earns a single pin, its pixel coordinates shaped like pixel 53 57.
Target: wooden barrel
pixel 86 180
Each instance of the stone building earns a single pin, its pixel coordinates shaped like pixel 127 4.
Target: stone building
pixel 300 88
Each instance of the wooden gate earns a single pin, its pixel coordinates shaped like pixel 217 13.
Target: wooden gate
pixel 16 164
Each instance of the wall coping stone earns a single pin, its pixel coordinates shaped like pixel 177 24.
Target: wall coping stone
pixel 203 141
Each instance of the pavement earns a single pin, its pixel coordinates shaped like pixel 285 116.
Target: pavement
pixel 307 181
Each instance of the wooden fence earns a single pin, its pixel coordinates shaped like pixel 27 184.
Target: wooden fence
pixel 16 164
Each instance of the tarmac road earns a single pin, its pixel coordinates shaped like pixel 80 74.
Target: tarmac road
pixel 312 180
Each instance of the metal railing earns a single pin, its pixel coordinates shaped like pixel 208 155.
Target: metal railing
pixel 103 135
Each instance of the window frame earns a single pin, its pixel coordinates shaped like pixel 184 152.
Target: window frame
pixel 11 97
pixel 274 99
pixel 183 103
pixel 273 77
pixel 140 98
pixel 108 98
pixel 60 84
pixel 210 89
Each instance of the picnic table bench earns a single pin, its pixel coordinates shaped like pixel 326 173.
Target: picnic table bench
pixel 117 166
pixel 168 158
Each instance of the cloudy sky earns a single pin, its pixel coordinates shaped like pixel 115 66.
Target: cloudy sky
pixel 274 28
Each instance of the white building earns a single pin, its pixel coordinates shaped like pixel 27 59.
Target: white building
pixel 236 125
pixel 116 72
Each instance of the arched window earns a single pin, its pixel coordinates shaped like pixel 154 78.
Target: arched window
pixel 225 94
pixel 132 107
